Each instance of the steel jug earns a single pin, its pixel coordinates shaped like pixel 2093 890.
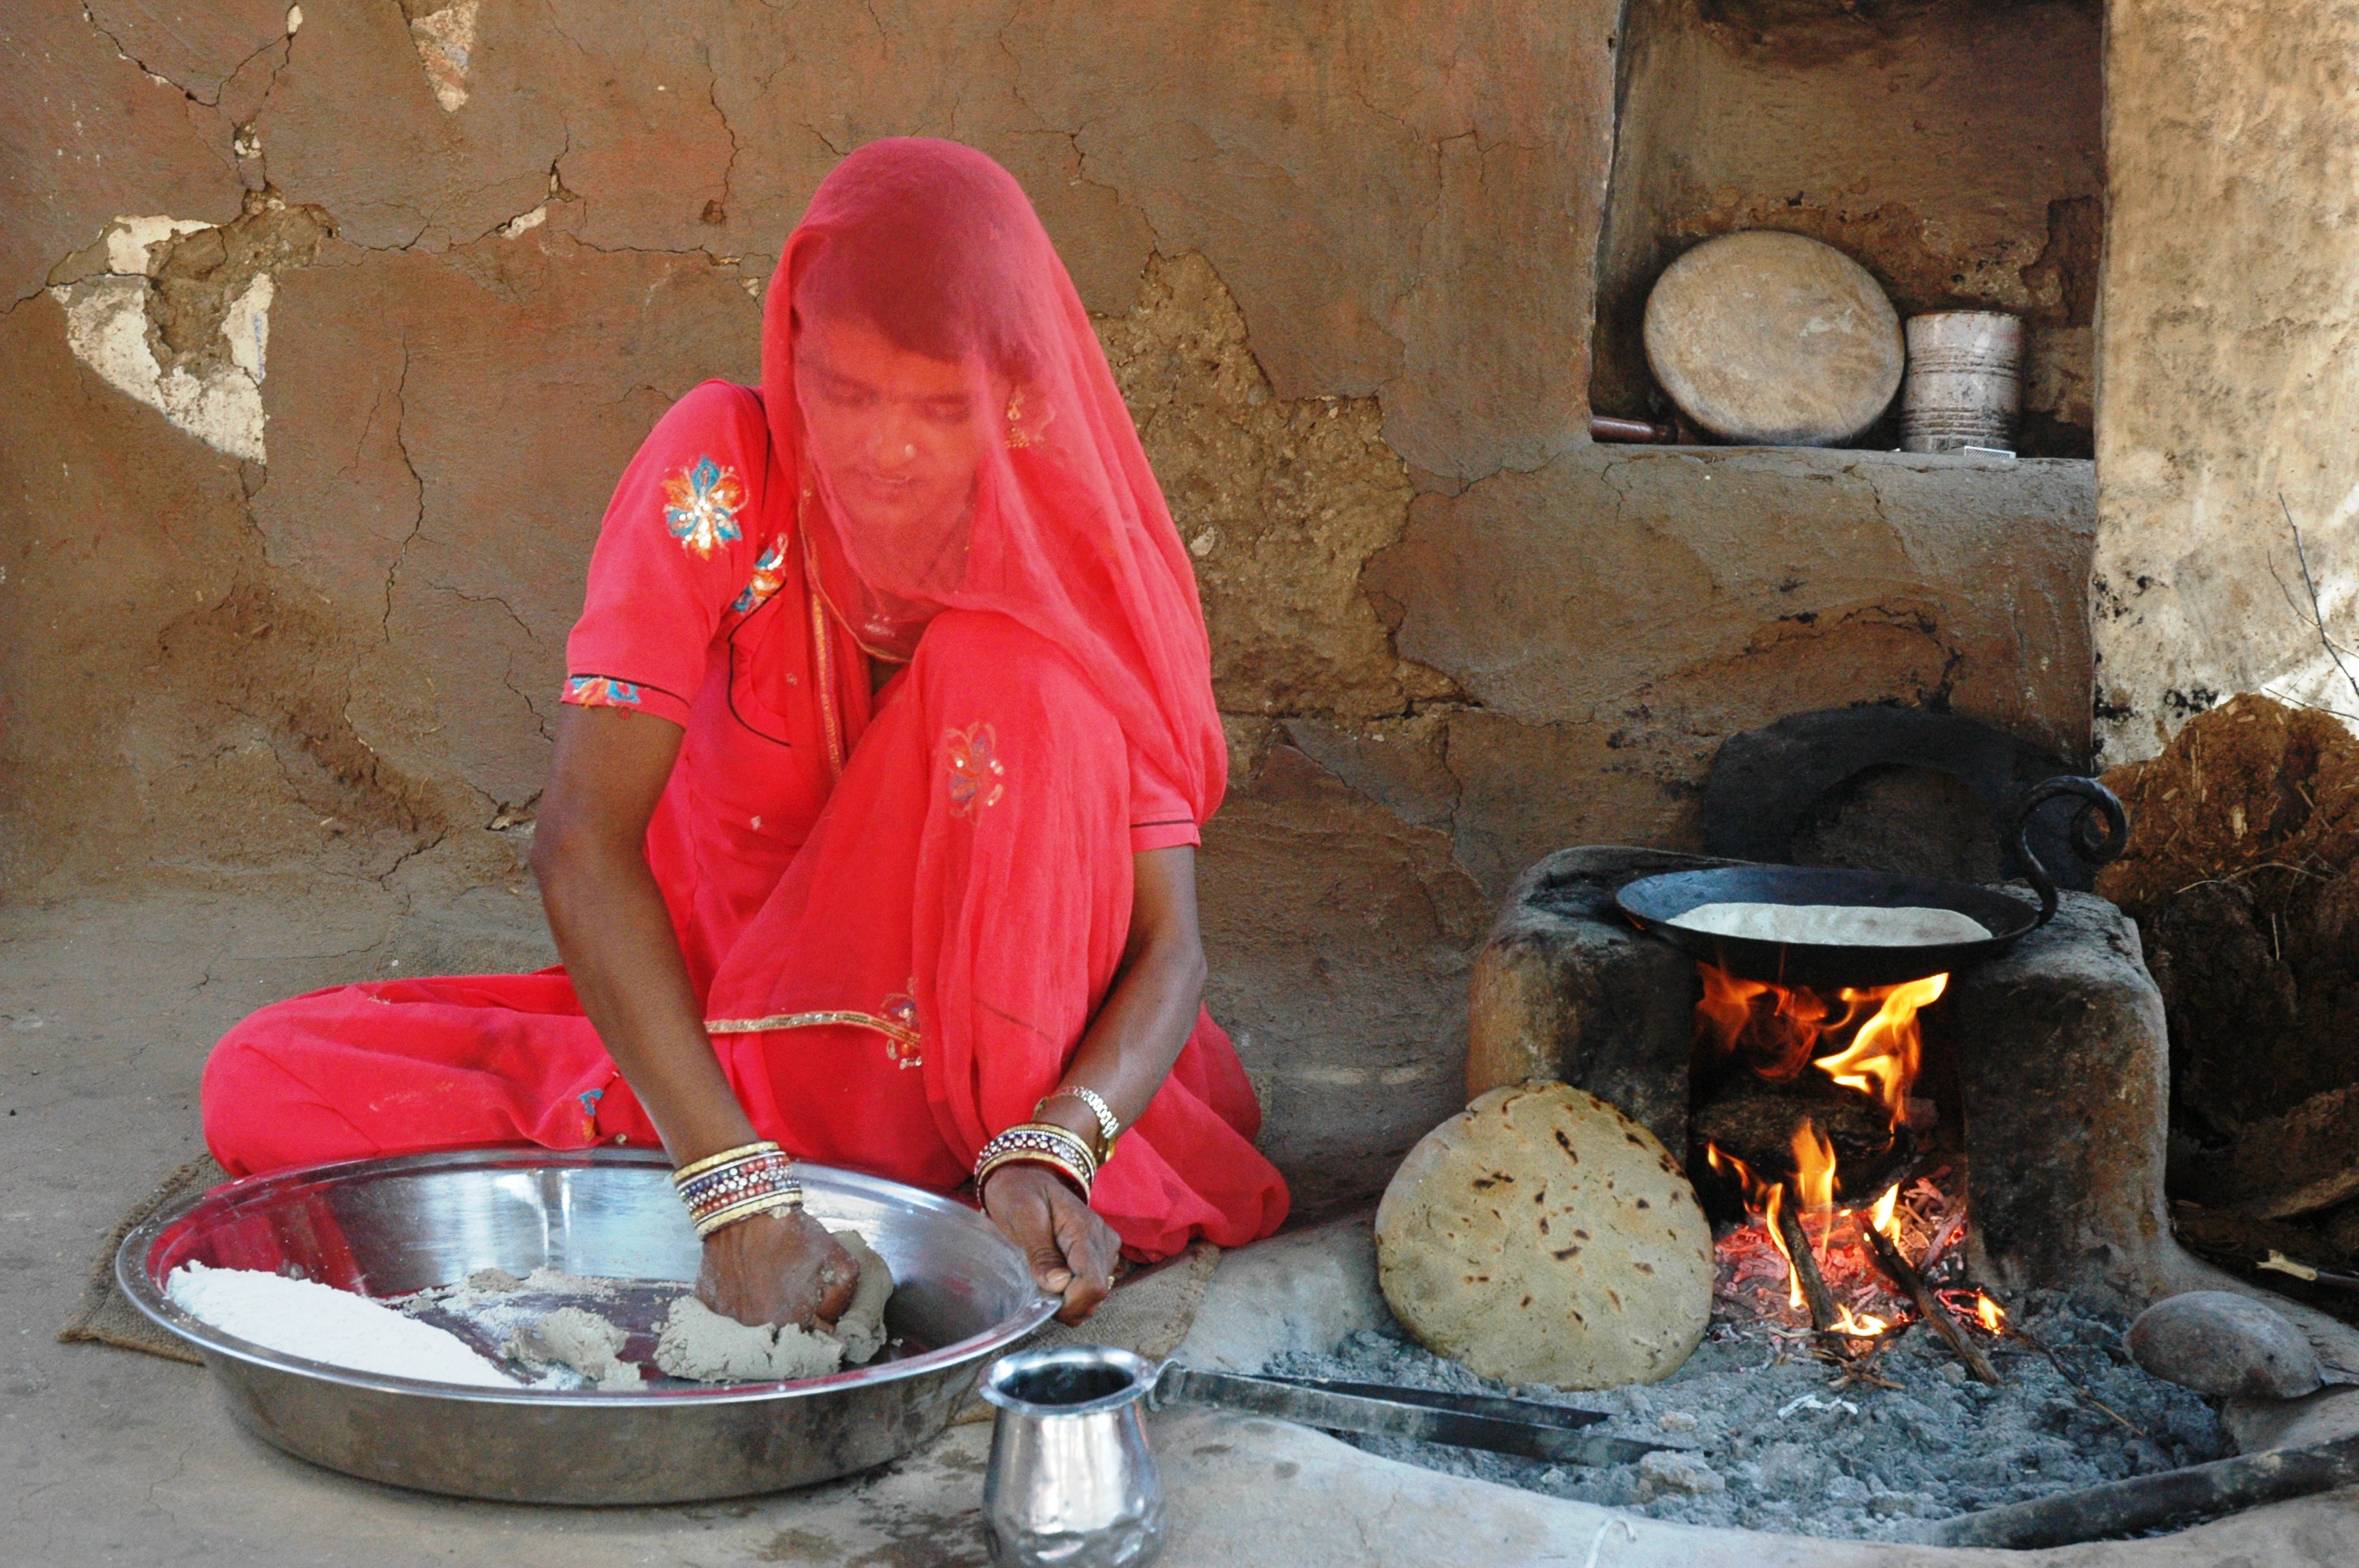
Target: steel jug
pixel 1073 1482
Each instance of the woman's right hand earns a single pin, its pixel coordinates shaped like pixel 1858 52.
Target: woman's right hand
pixel 777 1268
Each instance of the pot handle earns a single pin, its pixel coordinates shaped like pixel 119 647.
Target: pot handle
pixel 2101 831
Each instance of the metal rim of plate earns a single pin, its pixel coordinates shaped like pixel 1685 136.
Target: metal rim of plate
pixel 585 1445
pixel 1652 903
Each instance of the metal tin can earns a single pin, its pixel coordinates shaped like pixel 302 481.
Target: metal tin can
pixel 1964 382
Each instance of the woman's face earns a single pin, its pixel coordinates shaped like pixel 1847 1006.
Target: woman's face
pixel 899 435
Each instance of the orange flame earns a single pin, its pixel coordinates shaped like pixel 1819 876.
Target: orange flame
pixel 1874 1047
pixel 1881 1215
pixel 1773 1031
pixel 1775 1027
pixel 1764 1199
pixel 1882 1059
pixel 1814 1169
pixel 1774 1202
pixel 1859 1324
pixel 1814 1159
pixel 1989 1313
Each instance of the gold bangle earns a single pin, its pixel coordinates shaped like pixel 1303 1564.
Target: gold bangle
pixel 1109 1124
pixel 743 1150
pixel 1071 1173
pixel 1045 1135
pixel 1051 1144
pixel 767 1203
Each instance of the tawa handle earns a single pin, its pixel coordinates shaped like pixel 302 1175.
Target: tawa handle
pixel 2101 831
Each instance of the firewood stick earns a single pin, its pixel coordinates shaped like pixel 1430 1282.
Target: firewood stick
pixel 2278 1262
pixel 1928 1307
pixel 2144 1502
pixel 1815 1294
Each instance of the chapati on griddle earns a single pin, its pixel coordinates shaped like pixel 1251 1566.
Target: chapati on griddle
pixel 1834 925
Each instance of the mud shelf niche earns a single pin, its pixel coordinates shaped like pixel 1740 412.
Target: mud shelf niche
pixel 1952 148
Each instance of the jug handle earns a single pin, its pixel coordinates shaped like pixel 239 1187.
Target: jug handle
pixel 1170 1385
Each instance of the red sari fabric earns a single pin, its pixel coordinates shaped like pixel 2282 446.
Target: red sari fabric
pixel 902 911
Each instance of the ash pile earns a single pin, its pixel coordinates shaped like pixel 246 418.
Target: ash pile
pixel 1544 1246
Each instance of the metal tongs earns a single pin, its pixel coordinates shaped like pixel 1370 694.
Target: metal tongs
pixel 1526 1428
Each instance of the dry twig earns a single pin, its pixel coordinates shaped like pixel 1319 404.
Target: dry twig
pixel 2317 612
pixel 2248 870
pixel 2078 1387
pixel 1936 1316
pixel 1821 1300
pixel 1862 1373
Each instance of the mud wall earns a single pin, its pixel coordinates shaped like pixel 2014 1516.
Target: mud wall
pixel 327 336
pixel 1952 147
pixel 2230 363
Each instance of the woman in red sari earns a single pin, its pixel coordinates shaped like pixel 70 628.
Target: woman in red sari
pixel 870 826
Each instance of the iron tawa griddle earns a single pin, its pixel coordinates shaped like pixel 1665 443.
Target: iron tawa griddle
pixel 2099 833
pixel 1653 903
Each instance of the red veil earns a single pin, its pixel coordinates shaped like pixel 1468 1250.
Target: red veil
pixel 1070 535
pixel 971 871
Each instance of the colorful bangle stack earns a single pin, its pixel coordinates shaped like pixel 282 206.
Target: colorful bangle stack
pixel 1040 1144
pixel 1109 1124
pixel 738 1184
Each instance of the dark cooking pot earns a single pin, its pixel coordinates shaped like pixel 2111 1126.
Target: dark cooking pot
pixel 2100 831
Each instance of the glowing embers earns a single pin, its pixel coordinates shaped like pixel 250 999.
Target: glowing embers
pixel 1753 1279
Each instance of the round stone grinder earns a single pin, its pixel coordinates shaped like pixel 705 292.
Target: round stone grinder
pixel 1774 339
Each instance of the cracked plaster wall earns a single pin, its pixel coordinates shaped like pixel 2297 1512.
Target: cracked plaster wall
pixel 2230 362
pixel 1341 264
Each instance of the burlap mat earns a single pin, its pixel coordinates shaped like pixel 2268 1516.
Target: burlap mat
pixel 105 1317
pixel 1149 1311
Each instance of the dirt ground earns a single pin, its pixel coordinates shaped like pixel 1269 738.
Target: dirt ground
pixel 108 1456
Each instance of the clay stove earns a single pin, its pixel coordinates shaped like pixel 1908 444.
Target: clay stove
pixel 2035 1103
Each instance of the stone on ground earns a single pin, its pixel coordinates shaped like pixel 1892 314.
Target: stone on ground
pixel 1668 1470
pixel 2224 1346
pixel 1543 1236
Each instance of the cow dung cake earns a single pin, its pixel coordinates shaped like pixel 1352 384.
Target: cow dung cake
pixel 1543 1236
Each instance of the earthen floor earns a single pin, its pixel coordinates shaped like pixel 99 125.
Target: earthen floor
pixel 109 1005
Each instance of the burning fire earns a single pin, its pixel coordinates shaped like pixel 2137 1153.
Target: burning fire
pixel 1977 1308
pixel 1882 1058
pixel 1775 1032
pixel 1881 1215
pixel 1859 1326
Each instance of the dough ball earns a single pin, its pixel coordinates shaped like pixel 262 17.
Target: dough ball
pixel 862 1327
pixel 1543 1236
pixel 590 1343
pixel 700 1344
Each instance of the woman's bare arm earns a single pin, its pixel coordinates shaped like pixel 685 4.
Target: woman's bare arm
pixel 607 914
pixel 1125 1057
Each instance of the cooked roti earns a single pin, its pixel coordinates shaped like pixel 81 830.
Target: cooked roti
pixel 1834 925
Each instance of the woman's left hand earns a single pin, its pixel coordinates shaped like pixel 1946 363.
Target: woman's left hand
pixel 1071 1250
